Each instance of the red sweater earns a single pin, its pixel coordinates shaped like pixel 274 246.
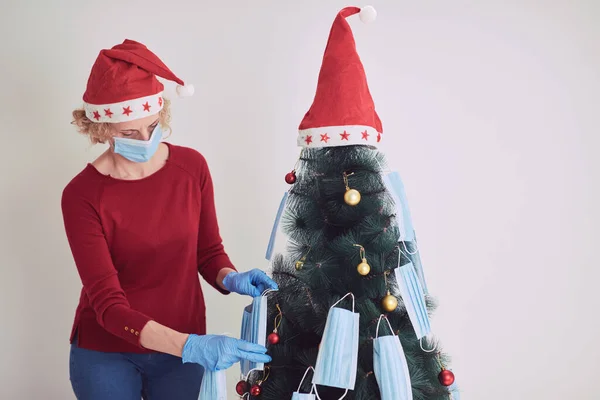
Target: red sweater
pixel 138 246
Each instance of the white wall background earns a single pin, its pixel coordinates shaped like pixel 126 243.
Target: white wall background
pixel 490 111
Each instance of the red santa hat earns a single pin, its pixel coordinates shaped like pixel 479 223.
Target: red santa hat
pixel 123 86
pixel 342 112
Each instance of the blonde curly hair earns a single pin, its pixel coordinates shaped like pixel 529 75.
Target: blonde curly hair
pixel 102 132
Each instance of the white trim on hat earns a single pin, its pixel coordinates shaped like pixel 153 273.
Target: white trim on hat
pixel 129 110
pixel 329 136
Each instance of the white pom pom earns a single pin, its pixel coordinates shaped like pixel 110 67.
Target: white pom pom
pixel 185 91
pixel 367 14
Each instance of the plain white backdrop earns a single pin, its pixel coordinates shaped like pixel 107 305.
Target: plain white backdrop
pixel 490 111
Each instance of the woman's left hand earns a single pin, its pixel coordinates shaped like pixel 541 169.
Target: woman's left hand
pixel 252 283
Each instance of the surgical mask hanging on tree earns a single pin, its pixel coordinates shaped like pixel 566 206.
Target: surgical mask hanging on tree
pixel 390 366
pixel 395 187
pixel 273 237
pixel 139 151
pixel 338 354
pixel 412 295
pixel 415 256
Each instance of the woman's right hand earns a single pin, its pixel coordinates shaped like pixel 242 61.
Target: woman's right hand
pixel 217 352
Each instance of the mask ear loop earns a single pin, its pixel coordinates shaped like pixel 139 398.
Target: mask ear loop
pixel 421 339
pixel 304 377
pixel 245 377
pixel 318 397
pixel 378 322
pixel 408 251
pixel 347 294
pixel 267 291
pixel 426 351
pixel 400 253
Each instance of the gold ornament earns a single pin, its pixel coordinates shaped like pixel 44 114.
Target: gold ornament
pixel 363 268
pixel 389 302
pixel 352 196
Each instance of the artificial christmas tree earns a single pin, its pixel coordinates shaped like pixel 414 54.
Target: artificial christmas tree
pixel 351 316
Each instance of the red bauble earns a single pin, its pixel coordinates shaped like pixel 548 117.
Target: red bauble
pixel 273 338
pixel 242 387
pixel 255 390
pixel 290 177
pixel 446 377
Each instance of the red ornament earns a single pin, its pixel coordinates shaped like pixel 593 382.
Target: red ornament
pixel 446 377
pixel 255 390
pixel 290 177
pixel 273 338
pixel 242 387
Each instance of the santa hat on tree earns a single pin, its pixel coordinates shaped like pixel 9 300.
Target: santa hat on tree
pixel 123 86
pixel 343 112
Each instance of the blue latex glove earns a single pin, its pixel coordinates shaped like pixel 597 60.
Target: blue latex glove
pixel 252 283
pixel 217 352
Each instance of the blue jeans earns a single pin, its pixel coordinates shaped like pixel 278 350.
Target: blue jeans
pixel 97 375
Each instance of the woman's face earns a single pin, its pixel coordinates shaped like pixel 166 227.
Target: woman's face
pixel 140 129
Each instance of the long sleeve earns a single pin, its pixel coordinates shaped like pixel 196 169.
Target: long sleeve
pixel 211 254
pixel 94 263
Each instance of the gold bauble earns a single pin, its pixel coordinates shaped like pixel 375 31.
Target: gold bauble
pixel 299 265
pixel 389 303
pixel 352 197
pixel 363 268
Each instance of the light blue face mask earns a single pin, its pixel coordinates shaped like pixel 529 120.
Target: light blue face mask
pixel 246 334
pixel 304 396
pixel 390 366
pixel 139 150
pixel 254 329
pixel 214 385
pixel 395 187
pixel 338 355
pixel 412 295
pixel 274 230
pixel 415 257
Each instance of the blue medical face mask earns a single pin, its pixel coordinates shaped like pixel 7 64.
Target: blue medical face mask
pixel 390 366
pixel 413 298
pixel 395 187
pixel 304 396
pixel 415 256
pixel 139 150
pixel 246 334
pixel 254 329
pixel 274 230
pixel 338 355
pixel 214 385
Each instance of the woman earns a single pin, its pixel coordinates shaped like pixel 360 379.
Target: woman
pixel 141 224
